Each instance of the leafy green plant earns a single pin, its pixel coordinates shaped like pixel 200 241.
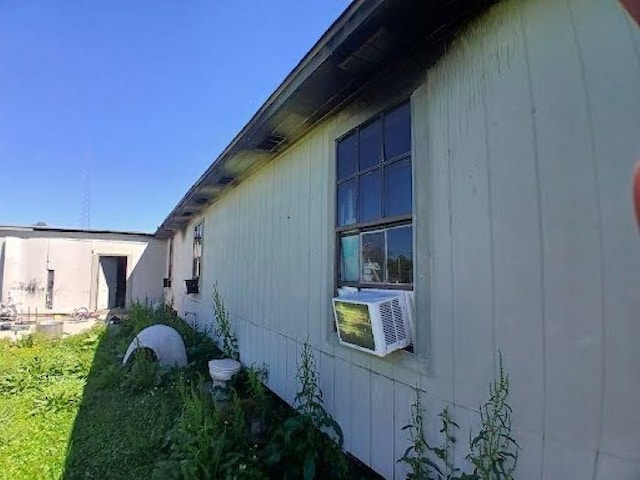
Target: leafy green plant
pixel 305 444
pixel 59 396
pixel 223 327
pixel 446 470
pixel 494 451
pixel 209 442
pixel 415 456
pixel 144 371
pixel 112 376
pixel 258 404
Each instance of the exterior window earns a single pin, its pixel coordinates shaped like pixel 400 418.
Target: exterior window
pixel 49 295
pixel 197 251
pixel 170 261
pixel 374 232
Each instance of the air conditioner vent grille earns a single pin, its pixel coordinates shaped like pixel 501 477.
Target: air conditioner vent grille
pixel 388 323
pixel 397 317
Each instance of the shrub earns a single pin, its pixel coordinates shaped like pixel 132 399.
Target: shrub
pixel 223 328
pixel 493 450
pixel 209 442
pixel 305 444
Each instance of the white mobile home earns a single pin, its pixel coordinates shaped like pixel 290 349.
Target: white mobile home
pixel 478 155
pixel 52 270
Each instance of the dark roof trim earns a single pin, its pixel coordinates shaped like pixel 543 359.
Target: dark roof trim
pixel 340 28
pixel 35 228
pixel 367 37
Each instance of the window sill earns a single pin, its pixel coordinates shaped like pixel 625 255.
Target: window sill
pixel 395 365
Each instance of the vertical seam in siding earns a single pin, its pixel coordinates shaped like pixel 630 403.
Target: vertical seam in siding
pixel 393 425
pixel 598 196
pixel 485 114
pixel 309 242
pixel 536 156
pixel 451 260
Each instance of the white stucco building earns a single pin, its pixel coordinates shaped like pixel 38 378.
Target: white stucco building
pixel 51 270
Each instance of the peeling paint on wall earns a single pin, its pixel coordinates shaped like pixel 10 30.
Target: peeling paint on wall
pixel 31 287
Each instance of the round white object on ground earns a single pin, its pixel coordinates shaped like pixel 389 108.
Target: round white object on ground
pixel 223 369
pixel 165 342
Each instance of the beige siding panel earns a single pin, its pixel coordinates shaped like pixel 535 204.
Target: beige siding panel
pixel 403 397
pixel 615 121
pixel 282 368
pixel 517 250
pixel 612 467
pixel 566 461
pixel 326 380
pixel 291 377
pixel 433 195
pixel 342 400
pixel 361 413
pixel 471 220
pixel 570 225
pixel 246 342
pixel 326 239
pixel 530 454
pixel 382 425
pixel 279 283
pixel 271 357
pixel 316 231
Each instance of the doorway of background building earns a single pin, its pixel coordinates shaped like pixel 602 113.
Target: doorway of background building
pixel 112 282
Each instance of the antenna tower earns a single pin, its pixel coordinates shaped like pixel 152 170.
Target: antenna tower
pixel 85 215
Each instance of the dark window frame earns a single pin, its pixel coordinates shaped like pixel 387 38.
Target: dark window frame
pixel 198 237
pixel 383 223
pixel 170 260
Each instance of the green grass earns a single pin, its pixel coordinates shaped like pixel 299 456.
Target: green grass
pixel 68 409
pixel 40 390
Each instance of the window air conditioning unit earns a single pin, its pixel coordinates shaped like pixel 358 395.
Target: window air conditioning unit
pixel 192 285
pixel 376 322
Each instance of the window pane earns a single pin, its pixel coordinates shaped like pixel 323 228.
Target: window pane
pixel 370 145
pixel 349 266
pixel 397 132
pixel 348 156
pixel 373 257
pixel 369 198
pixel 400 255
pixel 347 203
pixel 397 188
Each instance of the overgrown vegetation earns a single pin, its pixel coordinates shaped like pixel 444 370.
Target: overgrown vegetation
pixel 223 330
pixel 69 409
pixel 308 444
pixel 415 456
pixel 493 450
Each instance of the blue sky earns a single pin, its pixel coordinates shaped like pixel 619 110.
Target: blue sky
pixel 143 95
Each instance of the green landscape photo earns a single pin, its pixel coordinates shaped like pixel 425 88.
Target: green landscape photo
pixel 354 324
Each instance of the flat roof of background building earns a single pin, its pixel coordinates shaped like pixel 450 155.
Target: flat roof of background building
pixel 46 228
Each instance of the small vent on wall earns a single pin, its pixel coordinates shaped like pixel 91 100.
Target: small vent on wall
pixel 271 143
pixel 369 54
pixel 223 181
